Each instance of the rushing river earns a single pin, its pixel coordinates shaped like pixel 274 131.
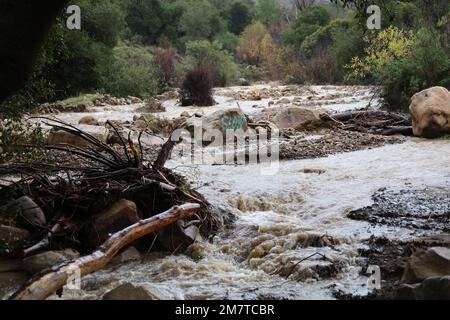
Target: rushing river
pixel 296 214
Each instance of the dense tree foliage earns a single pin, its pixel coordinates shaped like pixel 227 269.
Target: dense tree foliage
pixel 411 52
pixel 309 21
pixel 140 47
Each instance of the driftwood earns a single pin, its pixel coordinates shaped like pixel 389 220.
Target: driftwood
pixel 71 185
pixel 48 283
pixel 351 115
pixel 44 243
pixel 371 121
pixel 390 131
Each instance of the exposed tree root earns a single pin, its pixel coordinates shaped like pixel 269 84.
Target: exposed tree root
pixel 82 182
pixel 371 121
pixel 48 283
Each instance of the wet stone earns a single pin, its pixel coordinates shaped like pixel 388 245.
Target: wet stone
pixel 423 209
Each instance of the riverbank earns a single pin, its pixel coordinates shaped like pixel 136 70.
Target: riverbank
pixel 294 234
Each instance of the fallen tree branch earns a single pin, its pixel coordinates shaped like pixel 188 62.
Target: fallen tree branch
pixel 390 131
pixel 371 121
pixel 351 115
pixel 48 283
pixel 164 154
pixel 44 243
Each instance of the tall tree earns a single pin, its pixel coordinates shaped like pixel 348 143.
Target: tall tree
pixel 239 15
pixel 145 19
pixel 269 12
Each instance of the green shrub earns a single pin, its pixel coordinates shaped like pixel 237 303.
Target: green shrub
pixel 325 53
pixel 14 134
pixel 200 20
pixel 212 55
pixel 103 21
pixel 144 20
pixel 268 11
pixel 308 22
pixel 228 40
pixel 132 71
pixel 238 14
pixel 323 37
pixel 427 65
pixel 406 15
pixel 252 73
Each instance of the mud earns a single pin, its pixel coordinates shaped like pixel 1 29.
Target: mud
pixel 392 257
pixel 423 209
pixel 332 141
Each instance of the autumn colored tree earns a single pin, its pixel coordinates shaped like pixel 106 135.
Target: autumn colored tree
pixel 257 47
pixel 250 43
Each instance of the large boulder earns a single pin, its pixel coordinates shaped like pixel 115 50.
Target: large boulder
pixel 435 262
pixel 294 118
pixel 40 262
pixel 12 240
pixel 120 215
pixel 129 254
pixel 430 112
pixel 178 236
pixel 436 288
pixel 25 212
pixel 89 120
pixel 62 137
pixel 223 120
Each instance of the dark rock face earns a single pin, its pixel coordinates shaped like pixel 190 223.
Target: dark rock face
pixel 24 26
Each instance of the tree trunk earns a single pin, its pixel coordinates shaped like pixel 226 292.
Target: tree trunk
pixel 47 284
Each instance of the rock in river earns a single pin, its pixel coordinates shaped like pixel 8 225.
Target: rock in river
pixel 39 262
pixel 25 212
pixel 12 240
pixel 436 288
pixel 295 118
pixel 62 137
pixel 129 291
pixel 89 120
pixel 435 262
pixel 120 215
pixel 430 112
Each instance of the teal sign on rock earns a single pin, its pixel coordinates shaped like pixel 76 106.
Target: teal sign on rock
pixel 232 122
